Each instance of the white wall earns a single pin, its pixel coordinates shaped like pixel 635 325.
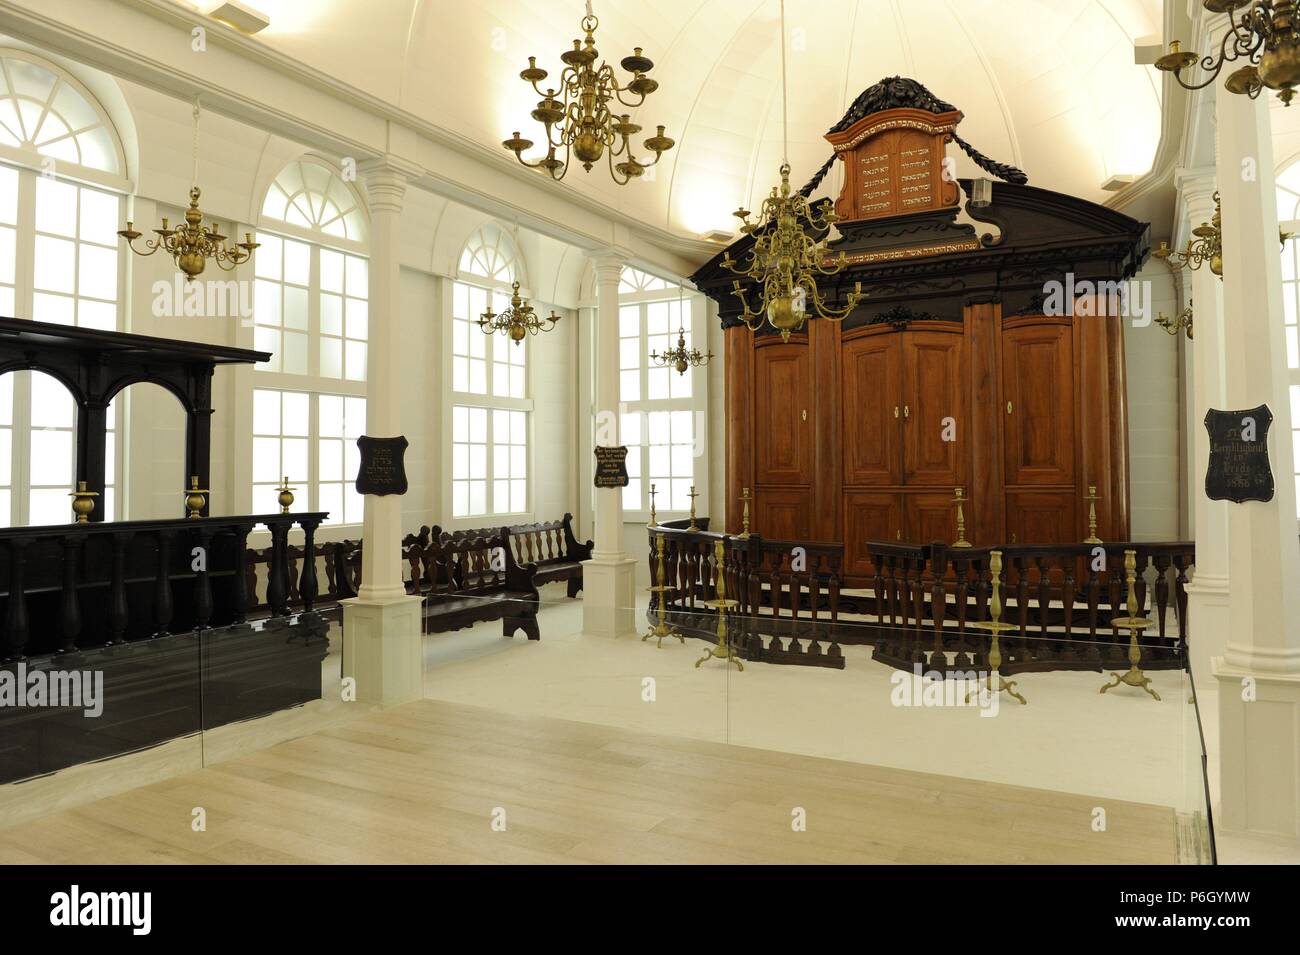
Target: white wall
pixel 1153 361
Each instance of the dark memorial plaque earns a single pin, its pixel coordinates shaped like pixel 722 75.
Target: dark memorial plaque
pixel 611 467
pixel 1239 470
pixel 383 465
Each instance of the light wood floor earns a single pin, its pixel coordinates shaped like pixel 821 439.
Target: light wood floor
pixel 420 783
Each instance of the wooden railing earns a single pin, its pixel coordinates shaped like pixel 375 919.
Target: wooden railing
pixel 160 613
pixel 922 598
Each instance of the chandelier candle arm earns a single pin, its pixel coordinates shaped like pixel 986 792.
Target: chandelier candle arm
pixel 1264 36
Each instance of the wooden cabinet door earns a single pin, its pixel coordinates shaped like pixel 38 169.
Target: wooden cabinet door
pixel 783 401
pixel 934 389
pixel 1041 517
pixel 870 392
pixel 1038 400
pixel 929 516
pixel 783 513
pixel 869 515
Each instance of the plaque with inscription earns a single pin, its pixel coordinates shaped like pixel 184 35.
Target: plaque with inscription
pixel 611 467
pixel 1239 470
pixel 383 465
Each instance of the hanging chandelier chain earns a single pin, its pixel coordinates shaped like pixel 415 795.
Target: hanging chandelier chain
pixel 785 97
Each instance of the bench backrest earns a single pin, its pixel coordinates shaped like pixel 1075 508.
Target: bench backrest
pixel 471 566
pixel 543 543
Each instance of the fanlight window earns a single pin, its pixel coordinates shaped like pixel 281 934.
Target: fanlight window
pixel 634 280
pixel 310 196
pixel 42 111
pixel 490 252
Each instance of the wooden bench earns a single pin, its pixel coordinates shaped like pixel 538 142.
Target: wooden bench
pixel 466 580
pixel 550 545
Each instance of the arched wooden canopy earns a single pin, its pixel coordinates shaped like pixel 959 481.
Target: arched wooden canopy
pixel 95 365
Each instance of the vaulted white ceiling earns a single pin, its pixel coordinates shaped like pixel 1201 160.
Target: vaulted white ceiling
pixel 1047 85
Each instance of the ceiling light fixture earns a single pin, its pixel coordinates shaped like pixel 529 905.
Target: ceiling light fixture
pixel 785 259
pixel 1265 36
pixel 681 358
pixel 518 321
pixel 192 244
pixel 588 128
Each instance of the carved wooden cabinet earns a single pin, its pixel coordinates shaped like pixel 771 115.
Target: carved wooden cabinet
pixel 857 434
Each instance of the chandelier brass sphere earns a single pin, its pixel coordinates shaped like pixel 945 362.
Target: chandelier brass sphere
pixel 518 321
pixel 578 116
pixel 1265 35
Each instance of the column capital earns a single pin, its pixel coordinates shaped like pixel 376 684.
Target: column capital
pixel 386 178
pixel 1196 189
pixel 608 263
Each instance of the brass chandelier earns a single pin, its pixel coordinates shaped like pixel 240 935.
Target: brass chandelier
pixel 581 122
pixel 785 259
pixel 1206 247
pixel 1265 35
pixel 518 321
pixel 1180 322
pixel 681 358
pixel 192 244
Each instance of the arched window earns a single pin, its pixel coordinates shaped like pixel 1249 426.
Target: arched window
pixel 47 113
pixel 311 196
pixel 311 312
pixel 1288 216
pixel 633 281
pixel 59 262
pixel 490 409
pixel 490 253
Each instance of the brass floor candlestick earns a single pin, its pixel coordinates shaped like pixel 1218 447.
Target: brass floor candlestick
pixel 693 526
pixel 654 520
pixel 661 629
pixel 1092 499
pixel 1135 625
pixel 744 535
pixel 961 540
pixel 996 627
pixel 724 649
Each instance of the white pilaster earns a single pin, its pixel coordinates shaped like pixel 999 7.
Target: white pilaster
pixel 1259 673
pixel 1207 594
pixel 608 579
pixel 381 626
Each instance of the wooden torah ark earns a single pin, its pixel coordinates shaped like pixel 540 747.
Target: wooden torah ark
pixel 963 368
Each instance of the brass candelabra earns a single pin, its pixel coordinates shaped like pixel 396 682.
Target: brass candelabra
pixel 654 520
pixel 662 629
pixel 724 650
pixel 996 627
pixel 1092 499
pixel 959 499
pixel 1135 625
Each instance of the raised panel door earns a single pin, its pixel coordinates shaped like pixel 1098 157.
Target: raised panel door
pixel 935 419
pixel 870 379
pixel 783 513
pixel 1038 395
pixel 869 515
pixel 783 397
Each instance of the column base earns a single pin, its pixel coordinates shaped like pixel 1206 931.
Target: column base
pixel 1259 750
pixel 1210 620
pixel 383 650
pixel 609 597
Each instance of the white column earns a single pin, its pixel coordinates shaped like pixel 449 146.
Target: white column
pixel 1259 673
pixel 608 579
pixel 1207 594
pixel 381 626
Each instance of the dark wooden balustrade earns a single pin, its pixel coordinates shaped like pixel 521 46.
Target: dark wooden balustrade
pixel 160 609
pixel 918 607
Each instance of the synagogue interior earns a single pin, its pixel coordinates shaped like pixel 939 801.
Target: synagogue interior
pixel 675 432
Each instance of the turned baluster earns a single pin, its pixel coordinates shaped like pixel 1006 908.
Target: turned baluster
pixel 1067 601
pixel 938 608
pixel 1044 593
pixel 16 622
pixel 1022 595
pixel 239 587
pixel 308 585
pixel 277 583
pixel 162 591
pixel 1181 563
pixel 1161 564
pixel 961 594
pixel 69 605
pixel 203 580
pixel 118 611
